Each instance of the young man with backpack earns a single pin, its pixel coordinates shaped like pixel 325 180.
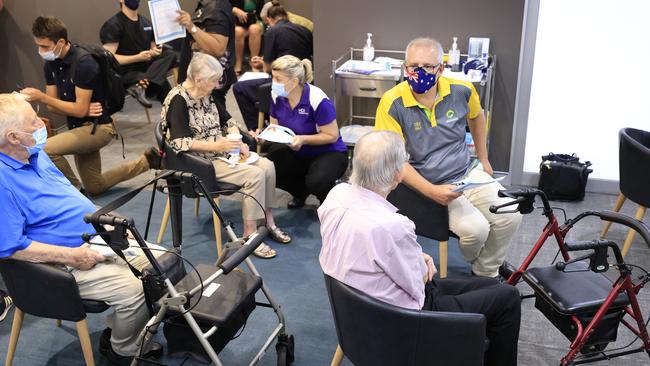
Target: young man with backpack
pixel 82 89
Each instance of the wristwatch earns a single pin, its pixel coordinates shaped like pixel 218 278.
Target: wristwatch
pixel 194 29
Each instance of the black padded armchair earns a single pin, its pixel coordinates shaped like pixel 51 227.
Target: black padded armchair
pixel 431 218
pixel 374 333
pixel 634 176
pixel 47 291
pixel 200 167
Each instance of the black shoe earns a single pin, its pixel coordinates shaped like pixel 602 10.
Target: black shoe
pixel 155 351
pixel 295 203
pixel 105 341
pixel 138 93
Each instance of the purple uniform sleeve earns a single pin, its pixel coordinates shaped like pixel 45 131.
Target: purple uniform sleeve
pixel 325 113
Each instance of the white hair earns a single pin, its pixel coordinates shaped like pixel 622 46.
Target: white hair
pixel 427 42
pixel 10 116
pixel 204 67
pixel 378 157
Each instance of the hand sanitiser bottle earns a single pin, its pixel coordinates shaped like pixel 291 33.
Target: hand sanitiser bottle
pixel 368 49
pixel 454 56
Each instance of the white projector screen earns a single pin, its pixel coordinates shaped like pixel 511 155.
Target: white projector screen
pixel 591 78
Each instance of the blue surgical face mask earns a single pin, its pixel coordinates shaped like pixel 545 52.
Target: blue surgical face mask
pixel 132 4
pixel 279 90
pixel 50 55
pixel 420 81
pixel 40 136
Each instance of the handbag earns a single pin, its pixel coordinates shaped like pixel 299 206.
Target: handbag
pixel 563 177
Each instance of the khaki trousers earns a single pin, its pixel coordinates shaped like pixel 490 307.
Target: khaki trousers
pixel 257 180
pixel 113 282
pixel 85 147
pixel 484 236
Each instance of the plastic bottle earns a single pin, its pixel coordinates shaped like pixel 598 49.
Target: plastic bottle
pixel 368 49
pixel 454 56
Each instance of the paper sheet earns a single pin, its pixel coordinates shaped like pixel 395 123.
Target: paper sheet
pixel 253 75
pixel 277 133
pixel 470 184
pixel 163 17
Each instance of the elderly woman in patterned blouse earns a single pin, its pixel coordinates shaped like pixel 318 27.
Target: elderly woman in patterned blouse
pixel 195 124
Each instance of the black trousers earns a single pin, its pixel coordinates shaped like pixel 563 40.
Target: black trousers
pixel 246 96
pixel 155 71
pixel 302 176
pixel 500 304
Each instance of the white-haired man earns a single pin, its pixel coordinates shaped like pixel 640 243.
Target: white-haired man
pixel 431 113
pixel 369 246
pixel 42 217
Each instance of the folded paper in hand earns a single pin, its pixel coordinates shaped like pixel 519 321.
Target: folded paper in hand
pixel 277 133
pixel 467 183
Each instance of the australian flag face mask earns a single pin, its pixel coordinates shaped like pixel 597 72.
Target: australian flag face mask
pixel 420 81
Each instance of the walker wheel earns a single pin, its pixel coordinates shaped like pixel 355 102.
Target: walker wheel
pixel 593 349
pixel 285 349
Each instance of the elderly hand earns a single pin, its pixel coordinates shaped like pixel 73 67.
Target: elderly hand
pixel 297 143
pixel 33 94
pixel 244 151
pixel 443 193
pixel 431 267
pixel 84 258
pixel 184 19
pixel 225 145
pixel 94 109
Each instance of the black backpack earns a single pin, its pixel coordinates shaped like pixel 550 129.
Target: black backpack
pixel 114 91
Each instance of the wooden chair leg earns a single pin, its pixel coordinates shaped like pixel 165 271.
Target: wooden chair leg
pixel 146 112
pixel 15 333
pixel 163 223
pixel 197 205
pixel 617 207
pixel 84 339
pixel 217 229
pixel 443 247
pixel 338 356
pixel 640 212
pixel 260 126
pixel 58 323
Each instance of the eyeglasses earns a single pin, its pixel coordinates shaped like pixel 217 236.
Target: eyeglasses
pixel 426 67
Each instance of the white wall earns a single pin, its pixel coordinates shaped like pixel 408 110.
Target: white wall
pixel 591 78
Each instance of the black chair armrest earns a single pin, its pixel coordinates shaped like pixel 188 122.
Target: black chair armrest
pixel 264 98
pixel 43 290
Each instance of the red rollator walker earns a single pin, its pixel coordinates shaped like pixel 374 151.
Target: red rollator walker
pixel 575 295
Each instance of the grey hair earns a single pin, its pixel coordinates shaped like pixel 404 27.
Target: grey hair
pixel 378 157
pixel 204 67
pixel 427 42
pixel 294 67
pixel 9 116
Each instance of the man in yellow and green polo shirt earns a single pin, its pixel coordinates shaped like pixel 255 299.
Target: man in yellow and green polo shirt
pixel 431 113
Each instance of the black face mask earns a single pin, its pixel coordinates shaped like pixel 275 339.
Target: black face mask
pixel 132 4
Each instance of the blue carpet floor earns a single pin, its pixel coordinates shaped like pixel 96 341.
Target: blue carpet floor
pixel 294 277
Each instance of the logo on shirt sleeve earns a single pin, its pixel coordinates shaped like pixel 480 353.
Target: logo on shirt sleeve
pixel 147 29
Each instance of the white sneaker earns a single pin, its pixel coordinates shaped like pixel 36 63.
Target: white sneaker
pixel 6 303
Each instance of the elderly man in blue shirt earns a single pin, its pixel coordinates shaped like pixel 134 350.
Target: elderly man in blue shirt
pixel 42 217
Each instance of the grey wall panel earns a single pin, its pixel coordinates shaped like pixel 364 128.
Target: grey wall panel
pixel 340 24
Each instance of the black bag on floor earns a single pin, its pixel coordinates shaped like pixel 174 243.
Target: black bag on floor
pixel 563 177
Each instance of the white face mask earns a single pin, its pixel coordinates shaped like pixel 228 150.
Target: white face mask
pixel 49 55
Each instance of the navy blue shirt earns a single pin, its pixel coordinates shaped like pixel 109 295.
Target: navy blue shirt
pixel 37 203
pixel 87 76
pixel 286 38
pixel 313 110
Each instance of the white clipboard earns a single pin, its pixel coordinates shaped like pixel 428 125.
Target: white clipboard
pixel 163 18
pixel 466 184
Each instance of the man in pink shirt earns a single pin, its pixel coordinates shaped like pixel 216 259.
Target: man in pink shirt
pixel 369 246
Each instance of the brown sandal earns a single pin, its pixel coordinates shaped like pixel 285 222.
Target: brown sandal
pixel 278 235
pixel 264 251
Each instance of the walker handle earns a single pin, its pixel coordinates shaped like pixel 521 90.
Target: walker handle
pixel 247 249
pixel 628 221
